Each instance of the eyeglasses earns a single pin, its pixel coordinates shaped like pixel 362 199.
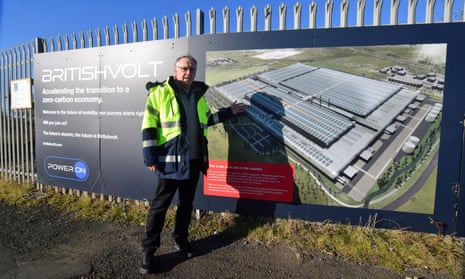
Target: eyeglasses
pixel 185 69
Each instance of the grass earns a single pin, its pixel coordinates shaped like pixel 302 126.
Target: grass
pixel 361 243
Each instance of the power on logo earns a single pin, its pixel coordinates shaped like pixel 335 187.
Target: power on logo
pixel 66 168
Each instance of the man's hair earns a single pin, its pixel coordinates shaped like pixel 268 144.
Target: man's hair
pixel 188 56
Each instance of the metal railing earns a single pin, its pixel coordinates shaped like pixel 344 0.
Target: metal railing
pixel 17 126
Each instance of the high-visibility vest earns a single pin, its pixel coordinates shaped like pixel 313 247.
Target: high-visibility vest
pixel 164 144
pixel 163 112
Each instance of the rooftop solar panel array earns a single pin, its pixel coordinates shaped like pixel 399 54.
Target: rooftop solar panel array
pixel 356 94
pixel 321 124
pixel 283 74
pixel 326 116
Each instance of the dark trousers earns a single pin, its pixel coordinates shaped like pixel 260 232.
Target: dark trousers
pixel 164 194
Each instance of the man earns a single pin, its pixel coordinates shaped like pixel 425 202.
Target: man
pixel 174 132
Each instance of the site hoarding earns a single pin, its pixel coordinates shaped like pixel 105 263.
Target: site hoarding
pixel 373 150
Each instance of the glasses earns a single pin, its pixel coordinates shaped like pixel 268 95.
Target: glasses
pixel 185 69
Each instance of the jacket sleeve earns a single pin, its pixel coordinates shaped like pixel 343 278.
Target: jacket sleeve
pixel 221 115
pixel 149 130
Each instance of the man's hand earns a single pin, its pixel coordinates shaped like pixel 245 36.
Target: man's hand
pixel 237 108
pixel 152 168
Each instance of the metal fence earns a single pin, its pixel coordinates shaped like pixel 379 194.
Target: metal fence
pixel 17 161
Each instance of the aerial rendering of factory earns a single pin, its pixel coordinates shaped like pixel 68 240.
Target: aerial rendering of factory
pixel 330 119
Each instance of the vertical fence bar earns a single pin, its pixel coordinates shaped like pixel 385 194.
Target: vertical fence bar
pixel 165 28
pixel 188 20
pixel 135 33
pixel 226 19
pixel 268 12
pixel 99 37
pixel 66 42
pixel 14 122
pixel 27 117
pixel 176 25
pixel 429 11
pixel 394 12
pixel 344 13
pixel 2 103
pixel 82 39
pixel 312 8
pixel 154 29
pixel 58 41
pixel 212 14
pixel 448 4
pixel 22 120
pixel 239 19
pixel 377 12
pixel 90 38
pixel 297 16
pixel 125 33
pixel 329 13
pixel 412 6
pixel 200 22
pixel 253 18
pixel 361 5
pixel 145 36
pixel 74 40
pixel 9 128
pixel 106 32
pixel 115 35
pixel 282 16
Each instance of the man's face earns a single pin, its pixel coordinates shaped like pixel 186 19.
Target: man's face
pixel 185 71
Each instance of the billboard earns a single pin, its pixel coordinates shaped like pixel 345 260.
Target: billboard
pixel 342 124
pixel 360 125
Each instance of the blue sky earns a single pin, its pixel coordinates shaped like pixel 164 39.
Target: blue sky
pixel 23 20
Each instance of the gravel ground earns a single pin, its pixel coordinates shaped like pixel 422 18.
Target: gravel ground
pixel 44 243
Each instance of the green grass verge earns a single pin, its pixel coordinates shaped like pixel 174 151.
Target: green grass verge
pixel 362 243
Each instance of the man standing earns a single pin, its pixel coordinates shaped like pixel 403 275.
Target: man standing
pixel 174 135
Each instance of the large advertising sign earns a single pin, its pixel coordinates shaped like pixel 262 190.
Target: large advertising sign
pixel 89 106
pixel 341 124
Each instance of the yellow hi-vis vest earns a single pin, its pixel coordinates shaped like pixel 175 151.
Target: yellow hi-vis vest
pixel 163 140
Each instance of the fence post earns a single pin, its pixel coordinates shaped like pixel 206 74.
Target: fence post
pixel 297 16
pixel 226 19
pixel 329 13
pixel 394 12
pixel 212 13
pixel 99 37
pixel 412 6
pixel 377 12
pixel 165 28
pixel 361 5
pixel 200 24
pixel 125 33
pixel 135 34
pixel 253 18
pixel 344 12
pixel 268 11
pixel 176 25
pixel 312 15
pixel 448 10
pixel 154 29
pixel 144 30
pixel 239 19
pixel 282 16
pixel 188 20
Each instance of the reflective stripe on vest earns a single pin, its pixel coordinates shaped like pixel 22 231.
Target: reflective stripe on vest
pixel 149 143
pixel 169 158
pixel 171 124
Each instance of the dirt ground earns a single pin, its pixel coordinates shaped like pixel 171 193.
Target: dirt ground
pixel 44 243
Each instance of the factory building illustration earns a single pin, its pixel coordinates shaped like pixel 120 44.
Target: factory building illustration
pixel 349 131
